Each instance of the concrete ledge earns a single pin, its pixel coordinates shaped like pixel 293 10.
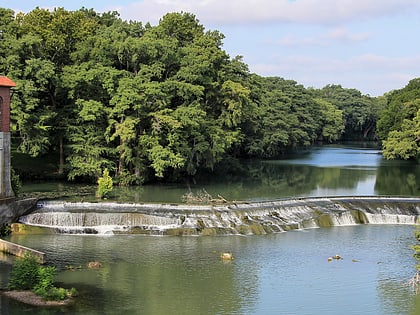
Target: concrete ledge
pixel 11 209
pixel 20 251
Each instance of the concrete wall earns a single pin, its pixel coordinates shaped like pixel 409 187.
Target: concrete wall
pixel 5 167
pixel 20 251
pixel 11 209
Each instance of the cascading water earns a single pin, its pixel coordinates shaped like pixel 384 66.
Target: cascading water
pixel 239 218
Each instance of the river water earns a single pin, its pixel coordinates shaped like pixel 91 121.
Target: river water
pixel 323 171
pixel 285 273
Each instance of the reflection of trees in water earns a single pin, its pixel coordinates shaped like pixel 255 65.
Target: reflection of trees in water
pixel 269 179
pixel 398 178
pixel 144 275
pixel 397 298
pixel 176 278
pixel 300 179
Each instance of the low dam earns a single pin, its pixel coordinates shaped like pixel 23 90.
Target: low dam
pixel 246 218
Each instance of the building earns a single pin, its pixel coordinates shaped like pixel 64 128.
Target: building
pixel 5 168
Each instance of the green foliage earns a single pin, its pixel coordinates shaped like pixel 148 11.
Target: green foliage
pixel 45 281
pixel 401 104
pixel 164 101
pixel 5 230
pixel 399 125
pixel 360 112
pixel 332 121
pixel 104 185
pixel 51 293
pixel 15 182
pixel 28 274
pixel 403 143
pixel 25 273
pixel 416 247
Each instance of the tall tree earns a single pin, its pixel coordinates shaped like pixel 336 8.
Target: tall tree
pixel 360 112
pixel 398 125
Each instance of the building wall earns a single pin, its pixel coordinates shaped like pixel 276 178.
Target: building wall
pixel 7 190
pixel 5 165
pixel 5 108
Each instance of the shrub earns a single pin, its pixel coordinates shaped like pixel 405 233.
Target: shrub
pixel 27 274
pixel 52 293
pixel 24 275
pixel 45 278
pixel 15 182
pixel 104 185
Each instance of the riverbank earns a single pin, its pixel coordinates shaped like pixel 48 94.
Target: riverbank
pixel 29 297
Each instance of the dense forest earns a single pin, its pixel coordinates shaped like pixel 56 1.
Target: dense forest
pixel 164 102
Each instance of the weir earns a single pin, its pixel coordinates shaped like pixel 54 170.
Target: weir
pixel 244 218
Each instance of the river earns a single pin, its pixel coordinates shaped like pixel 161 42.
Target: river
pixel 282 273
pixel 322 171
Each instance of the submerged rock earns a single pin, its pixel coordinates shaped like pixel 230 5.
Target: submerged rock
pixel 226 256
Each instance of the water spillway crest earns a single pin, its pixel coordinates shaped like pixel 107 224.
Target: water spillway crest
pixel 236 218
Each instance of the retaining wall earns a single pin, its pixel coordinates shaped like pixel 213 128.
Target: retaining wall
pixel 20 251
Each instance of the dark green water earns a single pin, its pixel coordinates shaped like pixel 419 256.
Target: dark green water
pixel 285 273
pixel 324 171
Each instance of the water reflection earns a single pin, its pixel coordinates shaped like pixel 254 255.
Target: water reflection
pixel 284 273
pixel 321 171
pixel 398 178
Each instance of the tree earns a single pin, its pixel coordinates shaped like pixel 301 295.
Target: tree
pixel 399 123
pixel 401 104
pixel 104 185
pixel 287 117
pixel 360 112
pixel 405 142
pixel 40 44
pixel 90 87
pixel 332 124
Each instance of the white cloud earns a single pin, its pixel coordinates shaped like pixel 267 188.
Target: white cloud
pixel 369 73
pixel 265 11
pixel 325 39
pixel 343 34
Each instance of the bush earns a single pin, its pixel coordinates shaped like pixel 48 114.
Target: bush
pixel 104 185
pixel 27 274
pixel 52 294
pixel 15 182
pixel 45 278
pixel 24 275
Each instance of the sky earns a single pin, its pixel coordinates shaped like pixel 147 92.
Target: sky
pixel 370 45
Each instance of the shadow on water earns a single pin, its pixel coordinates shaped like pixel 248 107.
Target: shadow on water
pixel 324 171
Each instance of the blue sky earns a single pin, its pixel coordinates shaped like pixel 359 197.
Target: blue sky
pixel 370 45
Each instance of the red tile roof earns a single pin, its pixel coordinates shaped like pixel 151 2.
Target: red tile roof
pixel 5 81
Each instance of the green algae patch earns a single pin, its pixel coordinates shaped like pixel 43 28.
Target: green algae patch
pixel 324 220
pixel 181 231
pixel 20 228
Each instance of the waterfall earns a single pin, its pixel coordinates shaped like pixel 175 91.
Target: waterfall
pixel 236 218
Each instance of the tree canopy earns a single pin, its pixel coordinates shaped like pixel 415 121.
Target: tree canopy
pixel 165 101
pixel 399 125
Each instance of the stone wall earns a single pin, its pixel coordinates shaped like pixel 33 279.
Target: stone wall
pixel 11 209
pixel 20 251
